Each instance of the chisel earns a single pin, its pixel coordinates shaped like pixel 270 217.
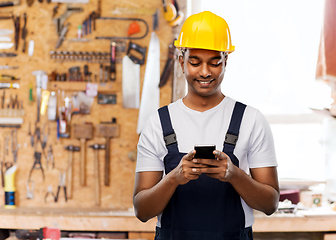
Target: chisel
pixel 10 3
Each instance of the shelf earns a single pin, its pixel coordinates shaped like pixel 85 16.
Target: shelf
pixel 81 86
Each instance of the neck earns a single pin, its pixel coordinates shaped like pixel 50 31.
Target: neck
pixel 202 103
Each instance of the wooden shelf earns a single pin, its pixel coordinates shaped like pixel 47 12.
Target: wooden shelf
pixel 81 86
pixel 74 219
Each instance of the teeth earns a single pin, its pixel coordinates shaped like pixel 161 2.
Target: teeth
pixel 203 82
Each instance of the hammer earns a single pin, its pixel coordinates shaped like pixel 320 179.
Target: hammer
pixel 107 130
pixel 71 149
pixel 97 147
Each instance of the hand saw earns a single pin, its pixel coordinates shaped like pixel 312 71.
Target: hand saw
pixel 130 83
pixel 150 98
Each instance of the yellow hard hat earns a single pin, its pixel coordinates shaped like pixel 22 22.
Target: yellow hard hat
pixel 205 30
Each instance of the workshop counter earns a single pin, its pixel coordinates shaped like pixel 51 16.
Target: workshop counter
pixel 125 221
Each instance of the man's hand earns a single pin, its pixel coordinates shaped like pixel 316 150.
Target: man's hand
pixel 220 168
pixel 187 169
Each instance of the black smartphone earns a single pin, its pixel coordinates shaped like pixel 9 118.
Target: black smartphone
pixel 205 151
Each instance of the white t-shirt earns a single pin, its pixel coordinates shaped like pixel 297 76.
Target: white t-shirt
pixel 254 149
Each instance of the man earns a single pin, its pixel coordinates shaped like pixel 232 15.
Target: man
pixel 205 198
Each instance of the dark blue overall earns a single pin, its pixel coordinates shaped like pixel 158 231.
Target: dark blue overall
pixel 206 208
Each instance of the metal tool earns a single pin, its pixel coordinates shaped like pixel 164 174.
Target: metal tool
pixel 83 132
pixel 150 98
pixel 3 67
pixel 50 158
pixel 61 185
pixel 97 147
pixel 50 192
pixel 130 83
pixel 5 32
pixel 6 45
pixel 113 61
pixel 24 32
pixel 168 67
pixel 17 30
pixel 45 133
pixel 59 21
pixel 4 77
pixel 38 75
pixel 37 165
pixel 9 3
pixel 71 149
pixel 124 19
pixel 30 190
pixel 9 85
pixel 62 35
pixel 15 146
pixel 4 54
pixel 141 50
pixel 107 130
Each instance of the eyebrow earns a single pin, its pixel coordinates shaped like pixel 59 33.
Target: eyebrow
pixel 213 58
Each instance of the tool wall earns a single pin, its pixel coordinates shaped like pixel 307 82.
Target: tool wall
pixel 60 52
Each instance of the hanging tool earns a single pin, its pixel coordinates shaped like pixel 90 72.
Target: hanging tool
pixel 168 67
pixel 150 99
pixel 107 130
pixel 130 83
pixel 4 77
pixel 113 61
pixel 141 50
pixel 3 67
pixel 4 54
pixel 6 45
pixel 83 132
pixel 9 3
pixel 37 165
pixel 9 85
pixel 59 21
pixel 61 185
pixel 15 146
pixel 71 149
pixel 38 75
pixel 30 190
pixel 50 158
pixel 124 19
pixel 49 192
pixel 6 32
pixel 45 133
pixel 133 28
pixel 24 32
pixel 62 35
pixel 10 189
pixel 97 147
pixel 17 30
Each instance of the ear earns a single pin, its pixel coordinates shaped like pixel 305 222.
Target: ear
pixel 181 60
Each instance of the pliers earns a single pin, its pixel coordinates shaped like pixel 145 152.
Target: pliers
pixel 61 184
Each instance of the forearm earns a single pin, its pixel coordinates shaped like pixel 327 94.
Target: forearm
pixel 257 195
pixel 150 202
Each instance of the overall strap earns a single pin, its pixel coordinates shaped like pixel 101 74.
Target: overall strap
pixel 167 128
pixel 231 136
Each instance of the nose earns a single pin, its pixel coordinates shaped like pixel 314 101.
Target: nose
pixel 205 71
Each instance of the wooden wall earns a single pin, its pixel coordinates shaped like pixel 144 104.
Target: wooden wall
pixel 41 29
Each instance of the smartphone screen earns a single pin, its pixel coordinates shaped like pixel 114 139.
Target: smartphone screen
pixel 205 151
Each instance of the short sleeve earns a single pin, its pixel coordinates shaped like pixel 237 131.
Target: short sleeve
pixel 261 151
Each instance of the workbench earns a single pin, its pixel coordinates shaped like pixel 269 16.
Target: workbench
pixel 124 221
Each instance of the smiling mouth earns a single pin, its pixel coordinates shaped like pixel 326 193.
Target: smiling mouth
pixel 205 83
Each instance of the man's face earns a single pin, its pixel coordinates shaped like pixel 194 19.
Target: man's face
pixel 204 70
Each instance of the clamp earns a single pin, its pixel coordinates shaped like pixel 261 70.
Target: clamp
pixel 59 21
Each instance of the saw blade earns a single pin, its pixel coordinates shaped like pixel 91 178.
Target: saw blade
pixel 150 98
pixel 130 83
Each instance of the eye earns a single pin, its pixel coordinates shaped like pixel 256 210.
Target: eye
pixel 194 64
pixel 215 64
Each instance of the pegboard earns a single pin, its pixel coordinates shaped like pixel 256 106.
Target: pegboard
pixel 42 30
